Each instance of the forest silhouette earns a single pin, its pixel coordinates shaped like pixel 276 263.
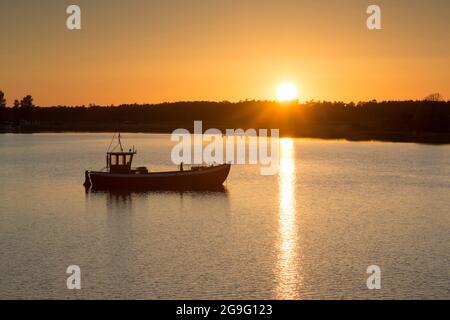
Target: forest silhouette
pixel 425 120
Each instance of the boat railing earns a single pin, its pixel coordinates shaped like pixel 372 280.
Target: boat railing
pixel 193 167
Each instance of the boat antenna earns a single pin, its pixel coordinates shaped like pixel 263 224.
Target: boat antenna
pixel 120 144
pixel 109 148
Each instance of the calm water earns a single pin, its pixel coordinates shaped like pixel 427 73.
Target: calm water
pixel 310 232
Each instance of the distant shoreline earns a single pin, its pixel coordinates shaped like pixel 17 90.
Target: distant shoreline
pixel 428 138
pixel 391 121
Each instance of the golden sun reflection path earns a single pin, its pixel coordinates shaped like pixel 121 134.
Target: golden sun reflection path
pixel 287 272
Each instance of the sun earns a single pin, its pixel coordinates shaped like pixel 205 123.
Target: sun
pixel 287 92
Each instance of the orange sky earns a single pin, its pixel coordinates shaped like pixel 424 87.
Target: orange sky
pixel 155 51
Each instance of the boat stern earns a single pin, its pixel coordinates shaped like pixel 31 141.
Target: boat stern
pixel 87 179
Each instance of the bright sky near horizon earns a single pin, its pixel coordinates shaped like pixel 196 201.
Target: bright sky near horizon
pixel 155 51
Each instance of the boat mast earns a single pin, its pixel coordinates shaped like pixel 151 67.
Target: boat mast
pixel 120 144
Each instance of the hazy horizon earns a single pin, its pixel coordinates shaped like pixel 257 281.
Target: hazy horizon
pixel 318 102
pixel 154 52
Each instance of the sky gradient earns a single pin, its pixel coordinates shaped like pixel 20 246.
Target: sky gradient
pixel 155 51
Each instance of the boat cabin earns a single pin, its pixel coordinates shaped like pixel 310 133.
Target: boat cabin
pixel 119 162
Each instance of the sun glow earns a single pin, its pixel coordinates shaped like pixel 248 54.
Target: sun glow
pixel 287 92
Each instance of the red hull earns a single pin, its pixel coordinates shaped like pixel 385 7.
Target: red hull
pixel 204 178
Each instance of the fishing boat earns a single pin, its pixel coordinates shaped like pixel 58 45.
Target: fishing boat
pixel 119 174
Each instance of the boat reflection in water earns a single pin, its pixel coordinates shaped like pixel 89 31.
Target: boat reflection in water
pixel 287 272
pixel 121 201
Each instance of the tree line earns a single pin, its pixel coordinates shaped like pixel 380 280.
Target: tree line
pixel 412 120
pixel 26 102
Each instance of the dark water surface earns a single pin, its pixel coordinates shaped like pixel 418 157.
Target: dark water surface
pixel 311 231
